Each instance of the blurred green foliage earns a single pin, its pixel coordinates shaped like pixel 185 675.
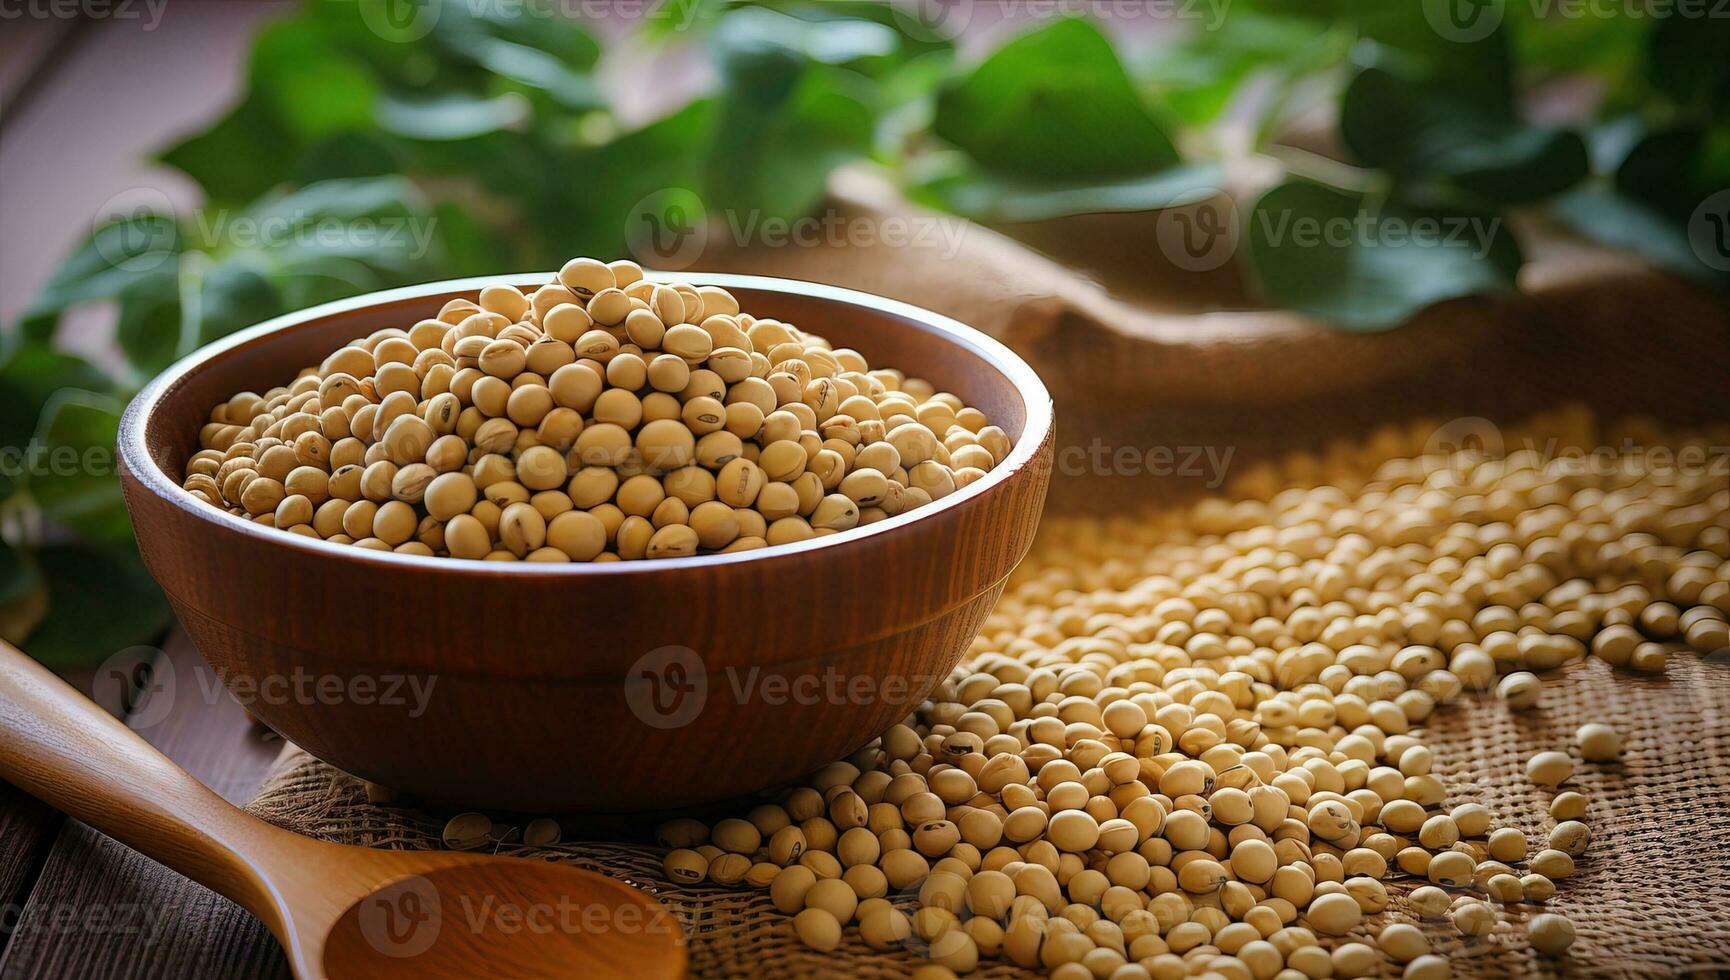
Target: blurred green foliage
pixel 481 135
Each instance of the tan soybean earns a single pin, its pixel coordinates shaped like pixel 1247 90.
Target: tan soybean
pixel 599 393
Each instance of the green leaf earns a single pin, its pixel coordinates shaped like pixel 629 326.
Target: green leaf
pixel 148 329
pixel 75 482
pixel 1650 199
pixel 539 70
pixel 851 42
pixel 243 155
pixel 1659 170
pixel 348 155
pixel 452 116
pixel 821 34
pixel 758 64
pixel 916 81
pixel 915 37
pixel 906 101
pixel 1199 77
pixel 234 295
pixel 1516 165
pixel 1368 265
pixel 1609 142
pixel 30 376
pixel 1609 49
pixel 1686 59
pixel 322 279
pixel 549 54
pixel 382 222
pixel 1423 131
pixel 997 200
pixel 1479 66
pixel 17 576
pixel 474 249
pixel 304 88
pixel 750 170
pixel 1674 169
pixel 463 24
pixel 114 257
pixel 1625 222
pixel 1054 104
pixel 590 218
pixel 383 34
pixel 313 87
pixel 783 90
pixel 340 200
pixel 516 166
pixel 100 602
pixel 324 241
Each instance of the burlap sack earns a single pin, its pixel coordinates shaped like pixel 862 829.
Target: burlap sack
pixel 1156 363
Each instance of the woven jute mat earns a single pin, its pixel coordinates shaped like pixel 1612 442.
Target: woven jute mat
pixel 1650 898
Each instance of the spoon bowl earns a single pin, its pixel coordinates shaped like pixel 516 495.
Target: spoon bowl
pixel 339 911
pixel 471 917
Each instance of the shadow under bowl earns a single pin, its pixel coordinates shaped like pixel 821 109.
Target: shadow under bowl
pixel 568 688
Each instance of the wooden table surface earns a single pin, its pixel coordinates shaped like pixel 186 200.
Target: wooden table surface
pixel 80 905
pixel 82 104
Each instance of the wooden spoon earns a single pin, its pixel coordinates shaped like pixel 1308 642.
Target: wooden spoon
pixel 338 911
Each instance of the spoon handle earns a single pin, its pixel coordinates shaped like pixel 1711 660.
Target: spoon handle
pixel 57 745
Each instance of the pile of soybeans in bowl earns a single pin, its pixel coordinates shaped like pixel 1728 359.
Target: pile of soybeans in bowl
pixel 602 417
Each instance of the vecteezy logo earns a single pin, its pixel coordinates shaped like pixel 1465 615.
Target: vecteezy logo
pixel 401 21
pixel 136 684
pixel 134 230
pixel 1198 232
pixel 1463 21
pixel 1457 443
pixel 668 229
pixel 667 686
pixel 1709 231
pixel 931 21
pixel 401 919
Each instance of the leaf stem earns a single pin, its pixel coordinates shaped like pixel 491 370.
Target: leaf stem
pixel 1325 170
pixel 191 281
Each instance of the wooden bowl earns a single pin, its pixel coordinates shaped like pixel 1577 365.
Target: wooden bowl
pixel 587 687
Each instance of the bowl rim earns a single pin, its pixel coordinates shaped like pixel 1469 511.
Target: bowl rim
pixel 1036 430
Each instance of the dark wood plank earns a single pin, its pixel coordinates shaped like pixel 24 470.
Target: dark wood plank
pixel 100 909
pixel 27 830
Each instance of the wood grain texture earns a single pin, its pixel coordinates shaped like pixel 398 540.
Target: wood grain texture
pixel 27 829
pixel 101 909
pixel 547 686
pixel 432 914
pixel 197 932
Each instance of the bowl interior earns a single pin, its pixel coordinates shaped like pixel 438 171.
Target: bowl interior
pixel 952 357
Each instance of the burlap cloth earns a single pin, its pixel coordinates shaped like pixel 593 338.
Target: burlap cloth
pixel 1139 353
pixel 1650 898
